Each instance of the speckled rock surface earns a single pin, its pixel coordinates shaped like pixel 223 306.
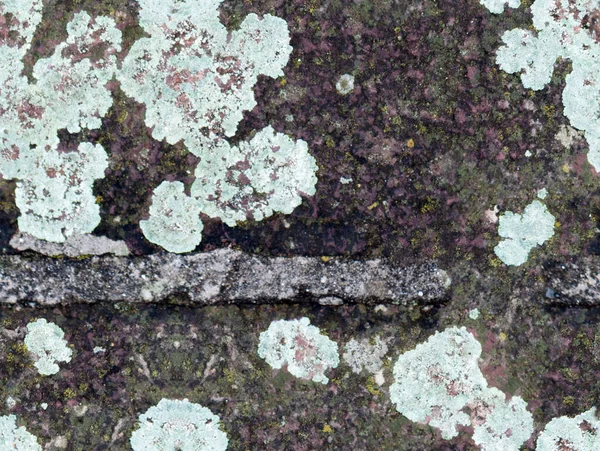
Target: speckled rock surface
pixel 416 161
pixel 221 276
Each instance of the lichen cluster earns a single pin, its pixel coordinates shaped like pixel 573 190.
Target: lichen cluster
pixel 523 232
pixel 54 184
pixel 439 383
pixel 580 433
pixel 178 425
pixel 361 355
pixel 195 79
pixel 497 6
pixel 566 29
pixel 16 438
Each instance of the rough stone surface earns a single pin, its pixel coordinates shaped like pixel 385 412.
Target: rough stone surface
pixel 74 246
pixel 575 283
pixel 221 276
pixel 415 165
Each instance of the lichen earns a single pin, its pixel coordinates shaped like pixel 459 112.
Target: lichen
pixel 54 186
pixel 439 383
pixel 306 353
pixel 16 438
pixel 178 424
pixel 45 341
pixel 263 176
pixel 579 433
pixel 174 219
pixel 345 84
pixel 474 314
pixel 362 355
pixel 523 232
pixel 203 75
pixel 196 79
pixel 57 201
pixel 497 6
pixel 506 424
pixel 566 29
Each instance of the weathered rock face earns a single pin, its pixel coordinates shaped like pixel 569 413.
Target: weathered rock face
pixel 221 276
pixel 574 283
pixel 387 213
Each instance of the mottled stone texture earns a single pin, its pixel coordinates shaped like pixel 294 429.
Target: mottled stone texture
pixel 415 165
pixel 222 276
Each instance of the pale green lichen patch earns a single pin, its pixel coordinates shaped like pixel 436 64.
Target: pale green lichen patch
pixel 523 232
pixel 361 355
pixel 45 341
pixel 54 186
pixel 178 425
pixel 305 352
pixel 263 176
pixel 507 424
pixel 497 6
pixel 345 84
pixel 27 14
pixel 580 433
pixel 439 383
pixel 565 29
pixel 16 438
pixel 174 219
pixel 58 201
pixel 474 314
pixel 205 76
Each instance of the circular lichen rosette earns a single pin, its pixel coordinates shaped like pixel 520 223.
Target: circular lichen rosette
pixel 174 221
pixel 300 347
pixel 178 425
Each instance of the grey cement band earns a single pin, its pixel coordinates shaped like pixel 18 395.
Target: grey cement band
pixel 221 276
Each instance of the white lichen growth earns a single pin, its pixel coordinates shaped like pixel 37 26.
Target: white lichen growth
pixel 204 75
pixel 196 79
pixel 10 402
pixel 27 14
pixel 263 176
pixel 45 341
pixel 58 201
pixel 474 314
pixel 506 425
pixel 497 6
pixel 568 29
pixel 439 383
pixel 523 232
pixel 178 425
pixel 16 438
pixel 362 355
pixel 305 352
pixel 174 219
pixel 54 186
pixel 345 84
pixel 581 433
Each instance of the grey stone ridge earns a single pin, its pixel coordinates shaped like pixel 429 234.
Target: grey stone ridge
pixel 76 245
pixel 575 283
pixel 220 276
